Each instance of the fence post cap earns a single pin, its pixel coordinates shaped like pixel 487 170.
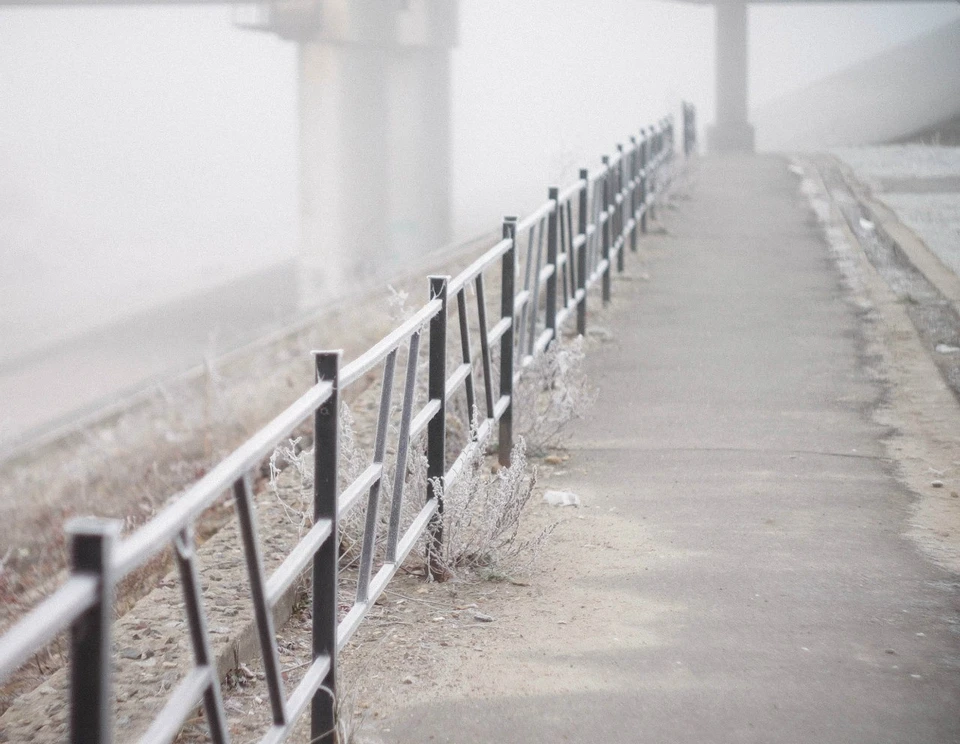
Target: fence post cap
pixel 93 526
pixel 438 285
pixel 327 352
pixel 327 366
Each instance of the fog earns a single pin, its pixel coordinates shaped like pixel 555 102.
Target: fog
pixel 146 153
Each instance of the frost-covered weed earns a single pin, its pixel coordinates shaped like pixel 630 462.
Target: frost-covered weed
pixel 397 304
pixel 482 513
pixel 298 505
pixel 552 391
pixel 354 460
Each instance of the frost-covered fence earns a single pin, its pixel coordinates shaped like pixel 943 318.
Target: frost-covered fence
pixel 539 274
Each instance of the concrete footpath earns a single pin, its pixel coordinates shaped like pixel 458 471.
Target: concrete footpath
pixel 735 423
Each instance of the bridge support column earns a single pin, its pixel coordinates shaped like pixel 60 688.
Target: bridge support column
pixel 344 147
pixel 732 132
pixel 420 169
pixel 374 134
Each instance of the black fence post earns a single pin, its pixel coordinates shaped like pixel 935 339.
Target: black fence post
pixel 437 428
pixel 689 129
pixel 582 252
pixel 667 138
pixel 507 269
pixel 644 162
pixel 634 183
pixel 620 210
pixel 605 233
pixel 326 451
pixel 553 220
pixel 91 649
pixel 652 181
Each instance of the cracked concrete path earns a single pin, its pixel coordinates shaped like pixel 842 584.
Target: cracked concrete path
pixel 764 590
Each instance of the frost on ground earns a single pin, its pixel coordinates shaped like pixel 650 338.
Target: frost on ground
pixel 901 161
pixel 843 254
pixel 935 219
pixel 893 171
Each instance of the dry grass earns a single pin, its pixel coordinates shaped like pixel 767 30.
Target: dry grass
pixel 482 514
pixel 553 391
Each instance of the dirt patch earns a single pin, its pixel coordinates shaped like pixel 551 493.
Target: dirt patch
pixel 428 641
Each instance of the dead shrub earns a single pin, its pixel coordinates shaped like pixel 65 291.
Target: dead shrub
pixel 552 391
pixel 483 509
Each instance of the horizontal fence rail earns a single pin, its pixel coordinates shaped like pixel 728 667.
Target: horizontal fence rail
pixel 545 264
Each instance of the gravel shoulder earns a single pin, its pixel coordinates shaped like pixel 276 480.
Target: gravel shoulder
pixel 921 405
pixel 921 184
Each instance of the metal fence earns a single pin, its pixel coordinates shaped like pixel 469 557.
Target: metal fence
pixel 545 265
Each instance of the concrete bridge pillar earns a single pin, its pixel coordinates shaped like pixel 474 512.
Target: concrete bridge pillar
pixel 420 147
pixel 343 174
pixel 374 116
pixel 732 132
pixel 421 137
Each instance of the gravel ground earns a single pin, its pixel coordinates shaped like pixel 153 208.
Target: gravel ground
pixel 902 161
pixel 935 218
pixel 921 184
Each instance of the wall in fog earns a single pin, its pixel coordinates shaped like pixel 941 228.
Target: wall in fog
pixel 145 153
pixel 895 94
pixel 544 87
pixel 148 152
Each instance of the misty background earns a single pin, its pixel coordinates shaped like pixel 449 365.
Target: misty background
pixel 147 153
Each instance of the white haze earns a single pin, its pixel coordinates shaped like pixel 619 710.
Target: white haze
pixel 149 152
